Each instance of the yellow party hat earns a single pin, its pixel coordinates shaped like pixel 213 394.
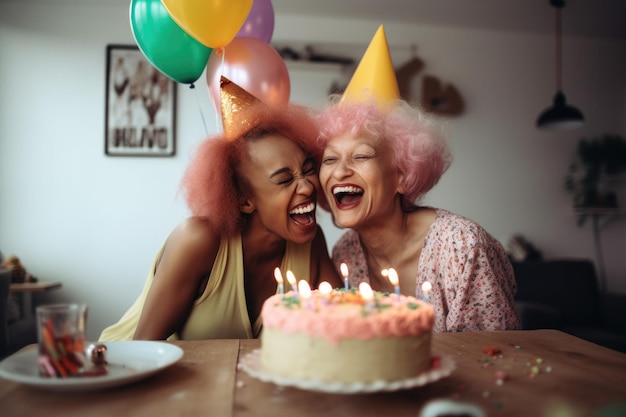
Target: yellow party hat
pixel 374 76
pixel 239 109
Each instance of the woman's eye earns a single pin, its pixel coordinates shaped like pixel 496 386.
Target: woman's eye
pixel 329 160
pixel 363 157
pixel 286 180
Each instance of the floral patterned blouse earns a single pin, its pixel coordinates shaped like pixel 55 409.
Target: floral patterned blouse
pixel 473 283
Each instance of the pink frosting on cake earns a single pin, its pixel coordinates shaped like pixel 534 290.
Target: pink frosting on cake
pixel 347 315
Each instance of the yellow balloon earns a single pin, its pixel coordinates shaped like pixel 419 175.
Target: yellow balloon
pixel 213 23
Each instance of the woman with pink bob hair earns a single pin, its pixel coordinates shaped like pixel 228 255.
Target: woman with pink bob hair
pixel 376 164
pixel 252 199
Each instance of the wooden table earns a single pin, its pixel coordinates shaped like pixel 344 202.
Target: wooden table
pixel 34 286
pixel 570 374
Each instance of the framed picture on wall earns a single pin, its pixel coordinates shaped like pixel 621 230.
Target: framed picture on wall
pixel 140 106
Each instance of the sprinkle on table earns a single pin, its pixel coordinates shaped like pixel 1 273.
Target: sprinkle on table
pixel 435 362
pixel 500 376
pixel 492 350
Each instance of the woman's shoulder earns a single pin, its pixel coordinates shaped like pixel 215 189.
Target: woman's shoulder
pixel 445 217
pixel 195 228
pixel 193 235
pixel 347 248
pixel 453 233
pixel 449 225
pixel 348 239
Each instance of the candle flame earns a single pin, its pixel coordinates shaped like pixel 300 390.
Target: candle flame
pixel 291 278
pixel 426 287
pixel 366 291
pixel 393 276
pixel 325 288
pixel 278 275
pixel 344 270
pixel 384 272
pixel 304 289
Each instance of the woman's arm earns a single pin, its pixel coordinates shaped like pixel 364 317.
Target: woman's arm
pixel 322 268
pixel 485 287
pixel 187 260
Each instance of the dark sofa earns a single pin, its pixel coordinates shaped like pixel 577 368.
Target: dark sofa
pixel 15 332
pixel 564 294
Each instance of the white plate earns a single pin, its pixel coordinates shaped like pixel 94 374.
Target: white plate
pixel 251 363
pixel 127 362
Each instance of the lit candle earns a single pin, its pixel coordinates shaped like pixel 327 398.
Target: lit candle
pixel 384 272
pixel 325 289
pixel 292 281
pixel 344 272
pixel 426 287
pixel 393 278
pixel 305 292
pixel 366 293
pixel 279 279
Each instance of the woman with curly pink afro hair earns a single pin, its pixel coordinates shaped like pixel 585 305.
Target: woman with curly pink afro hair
pixel 253 200
pixel 377 162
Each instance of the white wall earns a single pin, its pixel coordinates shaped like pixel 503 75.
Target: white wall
pixel 94 222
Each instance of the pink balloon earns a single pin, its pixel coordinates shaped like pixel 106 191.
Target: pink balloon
pixel 260 22
pixel 254 66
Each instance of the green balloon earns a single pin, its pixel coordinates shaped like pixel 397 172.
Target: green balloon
pixel 168 47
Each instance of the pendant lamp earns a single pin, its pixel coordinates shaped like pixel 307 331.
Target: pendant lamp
pixel 560 115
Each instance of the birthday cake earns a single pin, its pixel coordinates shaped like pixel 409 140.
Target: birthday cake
pixel 343 336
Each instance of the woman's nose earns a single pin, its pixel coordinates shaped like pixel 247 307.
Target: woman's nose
pixel 342 169
pixel 305 184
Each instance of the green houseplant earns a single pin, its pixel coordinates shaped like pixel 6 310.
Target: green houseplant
pixel 597 159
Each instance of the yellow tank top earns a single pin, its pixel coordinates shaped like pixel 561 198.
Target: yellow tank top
pixel 221 311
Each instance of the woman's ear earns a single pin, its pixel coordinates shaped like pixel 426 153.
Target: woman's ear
pixel 401 188
pixel 246 206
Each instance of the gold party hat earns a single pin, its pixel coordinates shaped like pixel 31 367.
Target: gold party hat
pixel 237 106
pixel 375 76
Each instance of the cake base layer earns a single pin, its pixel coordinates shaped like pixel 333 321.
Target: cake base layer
pixel 301 356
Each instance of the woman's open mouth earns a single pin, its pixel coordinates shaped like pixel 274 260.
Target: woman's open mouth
pixel 347 195
pixel 303 215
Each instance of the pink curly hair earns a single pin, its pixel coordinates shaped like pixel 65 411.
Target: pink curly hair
pixel 419 147
pixel 211 186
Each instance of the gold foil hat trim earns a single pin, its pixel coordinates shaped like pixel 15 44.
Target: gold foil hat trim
pixel 237 106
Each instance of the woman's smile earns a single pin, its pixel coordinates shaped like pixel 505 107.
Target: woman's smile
pixel 347 196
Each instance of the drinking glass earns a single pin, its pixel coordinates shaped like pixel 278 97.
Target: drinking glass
pixel 61 338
